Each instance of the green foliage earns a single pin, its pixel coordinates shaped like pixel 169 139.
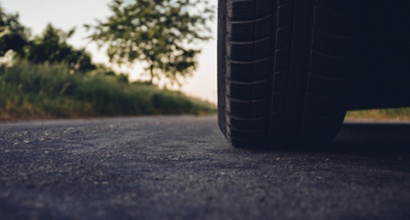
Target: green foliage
pixel 13 35
pixel 161 34
pixel 30 91
pixel 52 47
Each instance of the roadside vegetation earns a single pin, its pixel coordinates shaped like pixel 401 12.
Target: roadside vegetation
pixel 47 91
pixel 43 76
pixel 397 114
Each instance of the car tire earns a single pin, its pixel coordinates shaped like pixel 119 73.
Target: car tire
pixel 281 71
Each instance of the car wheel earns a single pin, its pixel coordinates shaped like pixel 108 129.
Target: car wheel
pixel 281 71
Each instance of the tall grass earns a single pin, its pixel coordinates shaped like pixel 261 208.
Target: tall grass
pixel 49 91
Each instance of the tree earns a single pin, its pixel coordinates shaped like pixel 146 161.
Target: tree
pixel 13 35
pixel 161 34
pixel 52 47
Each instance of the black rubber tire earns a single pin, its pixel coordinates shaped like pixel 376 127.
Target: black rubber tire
pixel 281 71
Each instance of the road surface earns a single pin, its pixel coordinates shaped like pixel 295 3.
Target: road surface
pixel 182 168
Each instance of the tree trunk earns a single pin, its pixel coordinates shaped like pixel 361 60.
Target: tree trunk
pixel 151 73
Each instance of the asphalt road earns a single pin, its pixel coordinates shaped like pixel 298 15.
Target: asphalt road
pixel 182 168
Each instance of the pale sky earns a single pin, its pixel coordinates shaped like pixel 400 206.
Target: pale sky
pixel 66 14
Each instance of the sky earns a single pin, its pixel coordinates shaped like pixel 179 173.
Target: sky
pixel 64 14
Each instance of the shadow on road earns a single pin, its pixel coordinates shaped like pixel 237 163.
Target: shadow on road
pixel 374 144
pixel 373 137
pixel 370 144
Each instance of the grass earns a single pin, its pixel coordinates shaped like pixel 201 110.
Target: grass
pixel 49 91
pixel 398 114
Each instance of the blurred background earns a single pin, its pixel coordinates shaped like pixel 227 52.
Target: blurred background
pixel 64 15
pixel 74 58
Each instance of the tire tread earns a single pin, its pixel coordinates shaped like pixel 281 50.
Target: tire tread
pixel 283 71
